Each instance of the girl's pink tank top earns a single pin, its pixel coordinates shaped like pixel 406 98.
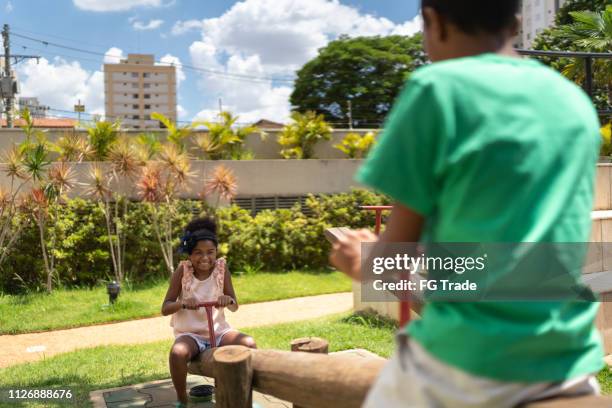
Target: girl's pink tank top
pixel 208 290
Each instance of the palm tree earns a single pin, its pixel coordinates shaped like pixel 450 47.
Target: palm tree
pixel 591 31
pixel 301 136
pixel 175 135
pixel 224 140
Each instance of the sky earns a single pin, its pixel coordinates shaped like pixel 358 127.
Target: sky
pixel 244 53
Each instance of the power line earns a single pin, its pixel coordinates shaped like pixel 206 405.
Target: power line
pixel 181 65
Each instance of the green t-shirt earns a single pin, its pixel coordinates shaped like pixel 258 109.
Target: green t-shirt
pixel 491 149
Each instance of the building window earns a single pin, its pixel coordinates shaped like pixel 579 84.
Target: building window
pixel 134 74
pixel 135 117
pixel 134 85
pixel 147 96
pixel 147 107
pixel 136 127
pixel 125 83
pixel 134 106
pixel 146 75
pixel 147 85
pixel 125 105
pixel 135 96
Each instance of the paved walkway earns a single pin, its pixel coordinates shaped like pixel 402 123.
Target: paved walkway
pixel 15 349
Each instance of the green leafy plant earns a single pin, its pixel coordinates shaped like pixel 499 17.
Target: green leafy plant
pixel 355 145
pixel 300 137
pixel 147 146
pixel 606 140
pixel 101 137
pixel 272 240
pixel 224 140
pixel 177 135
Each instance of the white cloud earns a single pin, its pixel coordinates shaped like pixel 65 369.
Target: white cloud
pixel 266 38
pixel 182 27
pixel 141 26
pixel 181 112
pixel 9 7
pixel 169 59
pixel 409 27
pixel 113 55
pixel 115 5
pixel 60 84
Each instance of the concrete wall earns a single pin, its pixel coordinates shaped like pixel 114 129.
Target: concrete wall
pixel 254 177
pixel 268 148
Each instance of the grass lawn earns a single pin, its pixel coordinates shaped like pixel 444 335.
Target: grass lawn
pixel 82 307
pixel 114 366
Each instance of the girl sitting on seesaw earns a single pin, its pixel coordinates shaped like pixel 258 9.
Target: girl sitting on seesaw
pixel 200 278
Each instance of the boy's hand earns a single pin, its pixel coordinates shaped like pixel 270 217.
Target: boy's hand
pixel 225 300
pixel 346 252
pixel 189 303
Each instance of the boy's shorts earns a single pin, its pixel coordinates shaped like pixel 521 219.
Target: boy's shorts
pixel 414 378
pixel 202 342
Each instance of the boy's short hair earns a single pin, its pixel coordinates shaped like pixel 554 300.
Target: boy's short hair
pixel 474 16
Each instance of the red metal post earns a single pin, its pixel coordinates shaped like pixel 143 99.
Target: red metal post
pixel 211 325
pixel 404 306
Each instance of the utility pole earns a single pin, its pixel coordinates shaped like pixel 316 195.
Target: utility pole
pixel 8 84
pixel 8 104
pixel 220 107
pixel 350 114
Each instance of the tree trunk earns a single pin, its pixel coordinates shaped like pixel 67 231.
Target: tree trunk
pixel 110 239
pixel 41 232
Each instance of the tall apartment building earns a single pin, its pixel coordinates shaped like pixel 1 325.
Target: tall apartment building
pixel 537 15
pixel 136 87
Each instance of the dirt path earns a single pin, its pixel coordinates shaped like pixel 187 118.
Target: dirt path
pixel 15 349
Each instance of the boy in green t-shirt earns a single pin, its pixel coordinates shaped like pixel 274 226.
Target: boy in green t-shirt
pixel 485 147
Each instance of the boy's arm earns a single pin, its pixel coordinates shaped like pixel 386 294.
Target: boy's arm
pixel 171 305
pixel 404 225
pixel 228 289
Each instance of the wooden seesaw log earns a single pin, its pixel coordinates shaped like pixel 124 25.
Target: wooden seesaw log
pixel 305 379
pixel 318 380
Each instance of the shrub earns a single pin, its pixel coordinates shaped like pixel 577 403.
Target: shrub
pixel 273 240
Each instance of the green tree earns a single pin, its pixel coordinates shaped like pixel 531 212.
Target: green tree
pixel 564 17
pixel 582 26
pixel 368 72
